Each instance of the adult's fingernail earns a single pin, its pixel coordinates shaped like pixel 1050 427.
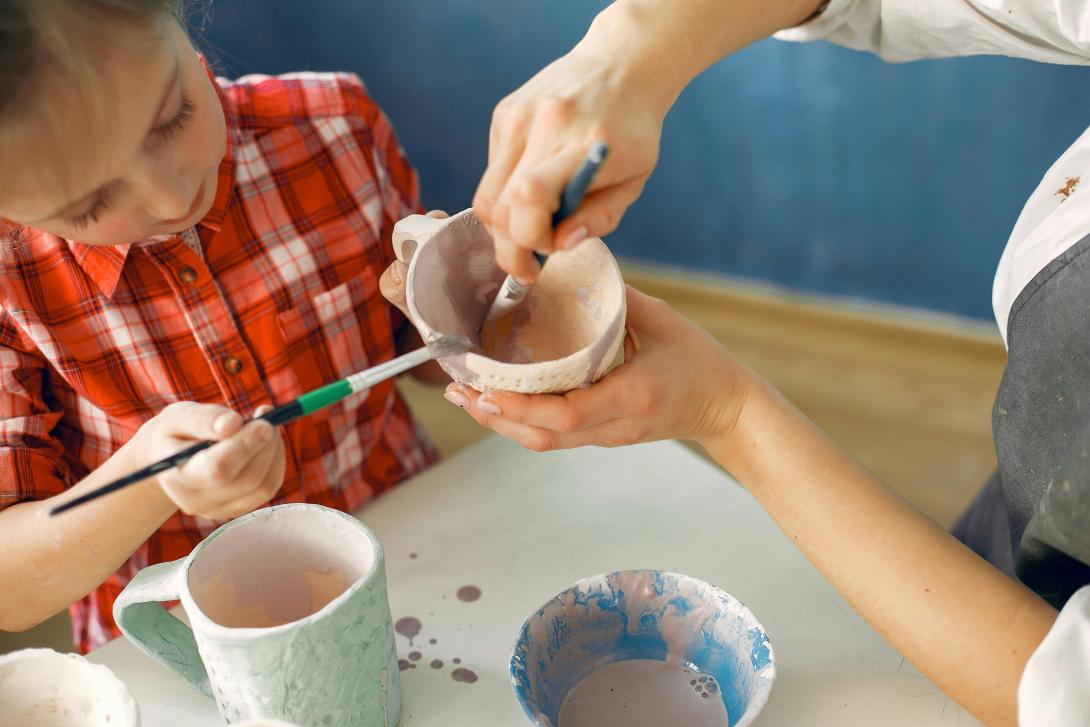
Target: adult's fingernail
pixel 395 274
pixel 457 398
pixel 574 237
pixel 488 406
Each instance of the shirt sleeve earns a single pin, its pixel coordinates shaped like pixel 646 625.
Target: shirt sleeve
pixel 31 460
pixel 398 184
pixel 1054 687
pixel 1057 31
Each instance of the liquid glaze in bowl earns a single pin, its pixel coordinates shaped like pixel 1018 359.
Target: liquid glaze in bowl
pixel 642 615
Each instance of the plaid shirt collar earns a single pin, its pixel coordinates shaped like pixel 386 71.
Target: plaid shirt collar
pixel 103 263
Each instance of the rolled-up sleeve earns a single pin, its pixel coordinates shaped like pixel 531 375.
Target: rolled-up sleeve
pixel 1050 31
pixel 1055 687
pixel 31 460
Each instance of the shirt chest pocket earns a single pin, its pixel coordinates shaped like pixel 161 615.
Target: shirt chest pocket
pixel 333 334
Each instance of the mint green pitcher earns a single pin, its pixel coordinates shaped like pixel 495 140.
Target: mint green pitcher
pixel 290 619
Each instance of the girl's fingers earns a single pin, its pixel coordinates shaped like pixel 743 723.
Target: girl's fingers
pixel 224 462
pixel 392 285
pixel 268 476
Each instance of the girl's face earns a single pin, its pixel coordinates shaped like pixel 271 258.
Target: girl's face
pixel 140 160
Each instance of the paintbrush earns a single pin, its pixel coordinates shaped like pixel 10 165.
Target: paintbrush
pixel 312 401
pixel 512 292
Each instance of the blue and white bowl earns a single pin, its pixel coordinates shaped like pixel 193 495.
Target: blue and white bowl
pixel 642 614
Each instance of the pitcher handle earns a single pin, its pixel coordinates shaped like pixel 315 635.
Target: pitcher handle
pixel 412 232
pixel 139 613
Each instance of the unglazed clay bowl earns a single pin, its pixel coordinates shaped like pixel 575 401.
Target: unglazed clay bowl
pixel 44 688
pixel 683 622
pixel 571 324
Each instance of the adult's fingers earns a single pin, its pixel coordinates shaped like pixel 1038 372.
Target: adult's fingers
pixel 532 196
pixel 598 215
pixel 610 433
pixel 507 141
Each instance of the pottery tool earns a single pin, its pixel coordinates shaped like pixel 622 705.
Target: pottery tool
pixel 440 346
pixel 512 292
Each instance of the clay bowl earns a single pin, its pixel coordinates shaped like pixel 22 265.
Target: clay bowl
pixel 43 687
pixel 578 305
pixel 643 614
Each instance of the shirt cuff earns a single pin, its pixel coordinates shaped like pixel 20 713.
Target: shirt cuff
pixel 820 25
pixel 1053 685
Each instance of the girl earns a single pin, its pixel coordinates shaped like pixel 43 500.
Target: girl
pixel 179 252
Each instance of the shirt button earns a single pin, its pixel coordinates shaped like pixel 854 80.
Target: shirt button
pixel 232 364
pixel 187 275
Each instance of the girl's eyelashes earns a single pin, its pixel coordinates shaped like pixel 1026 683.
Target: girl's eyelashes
pixel 91 215
pixel 175 125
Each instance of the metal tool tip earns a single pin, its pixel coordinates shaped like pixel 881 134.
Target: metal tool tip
pixel 449 345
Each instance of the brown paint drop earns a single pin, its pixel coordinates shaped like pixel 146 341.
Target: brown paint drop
pixel 456 660
pixel 469 594
pixel 412 556
pixel 467 676
pixel 433 641
pixel 403 664
pixel 408 627
pixel 436 663
pixel 416 656
pixel 1069 187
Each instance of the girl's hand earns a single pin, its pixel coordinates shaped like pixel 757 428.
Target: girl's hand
pixel 676 382
pixel 243 471
pixel 392 282
pixel 539 136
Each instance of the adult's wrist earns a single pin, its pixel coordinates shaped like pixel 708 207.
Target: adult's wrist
pixel 641 51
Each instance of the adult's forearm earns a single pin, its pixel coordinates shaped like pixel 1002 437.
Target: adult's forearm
pixel 961 621
pixel 47 563
pixel 666 43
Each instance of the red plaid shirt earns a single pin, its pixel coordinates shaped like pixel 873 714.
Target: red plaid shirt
pixel 275 292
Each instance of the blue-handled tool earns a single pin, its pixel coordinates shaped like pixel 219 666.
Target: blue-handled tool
pixel 512 292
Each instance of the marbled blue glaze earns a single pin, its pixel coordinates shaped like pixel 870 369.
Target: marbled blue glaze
pixel 587 626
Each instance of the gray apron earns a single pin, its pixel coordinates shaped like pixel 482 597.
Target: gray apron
pixel 1032 519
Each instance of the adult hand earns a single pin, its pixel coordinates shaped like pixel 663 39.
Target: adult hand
pixel 539 136
pixel 676 382
pixel 238 474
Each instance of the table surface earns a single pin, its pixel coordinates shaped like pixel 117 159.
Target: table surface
pixel 522 527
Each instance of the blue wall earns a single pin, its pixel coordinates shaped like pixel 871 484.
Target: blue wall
pixel 809 166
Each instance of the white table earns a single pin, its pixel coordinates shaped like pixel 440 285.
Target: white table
pixel 523 526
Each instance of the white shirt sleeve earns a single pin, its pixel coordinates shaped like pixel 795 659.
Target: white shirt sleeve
pixel 1052 31
pixel 1055 687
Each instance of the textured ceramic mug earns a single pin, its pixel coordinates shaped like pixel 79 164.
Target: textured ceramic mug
pixel 642 614
pixel 43 687
pixel 290 619
pixel 453 278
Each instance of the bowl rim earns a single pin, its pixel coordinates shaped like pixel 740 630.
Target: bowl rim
pixel 769 671
pixel 505 366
